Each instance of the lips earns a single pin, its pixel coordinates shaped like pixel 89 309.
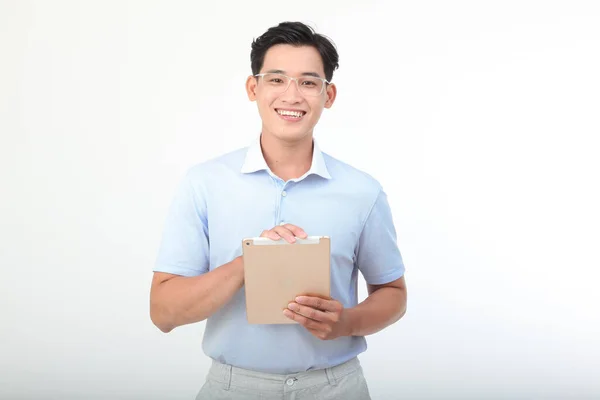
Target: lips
pixel 289 114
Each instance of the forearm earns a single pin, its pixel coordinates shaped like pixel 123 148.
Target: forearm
pixel 380 309
pixel 185 300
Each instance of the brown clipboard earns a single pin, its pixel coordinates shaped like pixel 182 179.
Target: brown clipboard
pixel 276 272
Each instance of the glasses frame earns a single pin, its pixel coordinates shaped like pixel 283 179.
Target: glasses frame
pixel 290 79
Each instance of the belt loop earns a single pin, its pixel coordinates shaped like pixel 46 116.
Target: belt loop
pixel 330 376
pixel 228 373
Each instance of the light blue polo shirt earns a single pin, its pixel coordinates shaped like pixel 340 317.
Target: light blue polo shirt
pixel 224 200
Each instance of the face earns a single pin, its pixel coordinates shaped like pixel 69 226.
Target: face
pixel 294 62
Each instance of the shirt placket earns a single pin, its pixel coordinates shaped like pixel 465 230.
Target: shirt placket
pixel 281 193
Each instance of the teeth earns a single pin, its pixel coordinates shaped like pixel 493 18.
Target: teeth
pixel 296 114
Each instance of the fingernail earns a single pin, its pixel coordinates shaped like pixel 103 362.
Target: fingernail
pixel 293 306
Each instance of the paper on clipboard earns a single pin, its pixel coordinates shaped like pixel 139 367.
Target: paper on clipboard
pixel 275 272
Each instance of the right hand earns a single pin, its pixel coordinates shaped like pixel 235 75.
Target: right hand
pixel 288 232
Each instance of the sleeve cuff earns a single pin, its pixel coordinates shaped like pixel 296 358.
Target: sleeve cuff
pixel 387 278
pixel 175 270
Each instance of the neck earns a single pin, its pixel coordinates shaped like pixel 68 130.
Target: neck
pixel 287 160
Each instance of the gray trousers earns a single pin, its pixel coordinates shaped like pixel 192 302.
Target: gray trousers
pixel 344 381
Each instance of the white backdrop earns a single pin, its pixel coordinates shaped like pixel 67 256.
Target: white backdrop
pixel 480 119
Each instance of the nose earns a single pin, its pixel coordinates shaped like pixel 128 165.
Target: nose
pixel 292 94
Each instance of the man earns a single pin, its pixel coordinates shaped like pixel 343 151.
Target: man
pixel 284 186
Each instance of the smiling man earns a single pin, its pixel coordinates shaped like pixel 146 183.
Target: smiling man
pixel 283 186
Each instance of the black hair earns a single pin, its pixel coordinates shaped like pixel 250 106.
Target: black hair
pixel 296 34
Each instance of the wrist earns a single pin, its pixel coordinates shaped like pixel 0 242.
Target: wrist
pixel 237 266
pixel 349 321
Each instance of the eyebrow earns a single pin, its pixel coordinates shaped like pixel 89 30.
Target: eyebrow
pixel 279 71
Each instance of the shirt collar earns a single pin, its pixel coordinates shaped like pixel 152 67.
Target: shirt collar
pixel 256 162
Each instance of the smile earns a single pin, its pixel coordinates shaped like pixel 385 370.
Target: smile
pixel 290 115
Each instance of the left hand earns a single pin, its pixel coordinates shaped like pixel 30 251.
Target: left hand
pixel 324 318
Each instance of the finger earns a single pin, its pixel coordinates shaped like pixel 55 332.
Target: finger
pixel 306 322
pixel 320 303
pixel 323 335
pixel 271 235
pixel 296 230
pixel 312 313
pixel 285 233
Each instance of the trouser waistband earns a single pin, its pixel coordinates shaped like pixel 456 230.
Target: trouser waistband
pixel 229 376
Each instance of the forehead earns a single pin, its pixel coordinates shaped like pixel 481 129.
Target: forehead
pixel 293 60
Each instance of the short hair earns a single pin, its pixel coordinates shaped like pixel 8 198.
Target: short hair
pixel 295 34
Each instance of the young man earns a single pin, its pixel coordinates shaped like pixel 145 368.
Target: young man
pixel 285 187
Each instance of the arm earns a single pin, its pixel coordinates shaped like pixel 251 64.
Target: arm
pixel 379 260
pixel 385 305
pixel 178 300
pixel 328 319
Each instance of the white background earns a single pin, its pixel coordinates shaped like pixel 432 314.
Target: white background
pixel 480 119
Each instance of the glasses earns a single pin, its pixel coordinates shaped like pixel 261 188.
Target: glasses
pixel 307 85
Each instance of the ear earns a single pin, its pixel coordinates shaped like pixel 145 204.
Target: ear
pixel 251 84
pixel 331 93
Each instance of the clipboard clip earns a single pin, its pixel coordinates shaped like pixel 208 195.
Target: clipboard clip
pixel 261 241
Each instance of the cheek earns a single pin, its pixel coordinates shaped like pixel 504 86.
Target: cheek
pixel 264 107
pixel 317 108
pixel 265 103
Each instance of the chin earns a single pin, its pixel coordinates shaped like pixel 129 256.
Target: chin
pixel 291 135
pixel 287 133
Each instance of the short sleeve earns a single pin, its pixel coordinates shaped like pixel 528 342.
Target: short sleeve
pixel 378 255
pixel 184 247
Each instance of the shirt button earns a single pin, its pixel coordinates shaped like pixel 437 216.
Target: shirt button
pixel 282 223
pixel 284 193
pixel 290 382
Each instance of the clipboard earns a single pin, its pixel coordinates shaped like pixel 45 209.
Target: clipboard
pixel 276 272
